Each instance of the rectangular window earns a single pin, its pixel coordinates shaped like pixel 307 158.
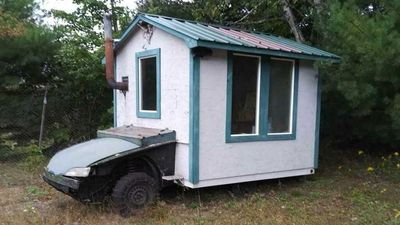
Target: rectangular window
pixel 148 84
pixel 245 89
pixel 280 96
pixel 261 98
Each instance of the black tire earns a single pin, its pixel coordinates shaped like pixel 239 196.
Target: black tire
pixel 133 191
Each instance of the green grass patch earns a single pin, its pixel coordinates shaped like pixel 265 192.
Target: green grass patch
pixel 343 191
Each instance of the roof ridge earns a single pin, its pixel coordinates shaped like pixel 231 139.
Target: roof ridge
pixel 211 24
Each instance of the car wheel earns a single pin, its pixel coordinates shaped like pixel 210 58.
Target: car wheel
pixel 133 191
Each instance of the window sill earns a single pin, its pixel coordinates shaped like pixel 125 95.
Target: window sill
pixel 254 138
pixel 149 115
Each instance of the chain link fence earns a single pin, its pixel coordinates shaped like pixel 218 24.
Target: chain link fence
pixel 34 125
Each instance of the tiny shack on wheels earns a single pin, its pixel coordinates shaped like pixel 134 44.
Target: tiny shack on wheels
pixel 199 105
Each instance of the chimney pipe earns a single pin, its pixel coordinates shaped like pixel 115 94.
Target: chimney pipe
pixel 109 52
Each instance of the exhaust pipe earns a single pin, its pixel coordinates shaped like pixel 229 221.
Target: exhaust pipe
pixel 109 52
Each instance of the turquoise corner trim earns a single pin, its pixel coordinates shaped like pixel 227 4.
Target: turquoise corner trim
pixel 263 108
pixel 149 53
pixel 194 119
pixel 317 123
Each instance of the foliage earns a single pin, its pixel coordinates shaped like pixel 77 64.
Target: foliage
pixel 173 8
pixel 12 151
pixel 349 195
pixel 21 9
pixel 64 59
pixel 9 25
pixel 26 48
pixel 35 191
pixel 361 100
pixel 361 94
pixel 80 73
pixel 27 53
pixel 263 15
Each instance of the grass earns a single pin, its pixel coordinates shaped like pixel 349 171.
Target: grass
pixel 345 190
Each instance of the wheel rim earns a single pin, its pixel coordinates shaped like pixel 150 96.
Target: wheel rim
pixel 137 196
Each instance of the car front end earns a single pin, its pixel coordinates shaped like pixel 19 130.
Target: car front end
pixel 71 171
pixel 67 185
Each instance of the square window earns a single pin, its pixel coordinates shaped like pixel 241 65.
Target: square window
pixel 261 98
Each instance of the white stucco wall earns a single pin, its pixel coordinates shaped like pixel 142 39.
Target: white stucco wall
pixel 245 161
pixel 220 162
pixel 174 89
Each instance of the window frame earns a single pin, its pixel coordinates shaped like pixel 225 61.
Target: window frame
pixel 151 114
pixel 257 124
pixel 291 99
pixel 263 100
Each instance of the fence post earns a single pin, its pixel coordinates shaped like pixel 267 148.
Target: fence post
pixel 43 116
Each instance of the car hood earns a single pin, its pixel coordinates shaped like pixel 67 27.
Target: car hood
pixel 86 153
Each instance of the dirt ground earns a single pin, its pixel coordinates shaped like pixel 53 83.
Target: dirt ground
pixel 354 189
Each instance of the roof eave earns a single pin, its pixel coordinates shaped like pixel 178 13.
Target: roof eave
pixel 263 51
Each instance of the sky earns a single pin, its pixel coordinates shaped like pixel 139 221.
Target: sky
pixel 69 6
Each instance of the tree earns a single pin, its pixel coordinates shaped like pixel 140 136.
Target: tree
pixel 361 103
pixel 362 100
pixel 80 84
pixel 26 48
pixel 26 54
pixel 285 18
pixel 173 8
pixel 292 21
pixel 66 59
pixel 362 92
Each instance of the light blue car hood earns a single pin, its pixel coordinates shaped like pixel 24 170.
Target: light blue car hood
pixel 86 153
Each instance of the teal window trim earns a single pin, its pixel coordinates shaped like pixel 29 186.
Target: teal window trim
pixel 262 134
pixel 146 54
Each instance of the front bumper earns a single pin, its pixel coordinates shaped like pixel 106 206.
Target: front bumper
pixel 64 184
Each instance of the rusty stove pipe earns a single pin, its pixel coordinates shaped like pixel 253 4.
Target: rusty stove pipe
pixel 109 52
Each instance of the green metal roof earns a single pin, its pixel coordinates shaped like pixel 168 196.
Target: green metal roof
pixel 197 34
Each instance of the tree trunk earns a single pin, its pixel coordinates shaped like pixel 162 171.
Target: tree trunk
pixel 291 19
pixel 317 27
pixel 114 16
pixel 317 5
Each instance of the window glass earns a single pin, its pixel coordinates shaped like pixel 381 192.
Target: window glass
pixel 148 84
pixel 244 94
pixel 280 96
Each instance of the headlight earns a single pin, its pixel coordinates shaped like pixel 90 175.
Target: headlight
pixel 78 172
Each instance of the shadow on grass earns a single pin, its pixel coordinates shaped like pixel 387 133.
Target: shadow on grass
pixel 195 198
